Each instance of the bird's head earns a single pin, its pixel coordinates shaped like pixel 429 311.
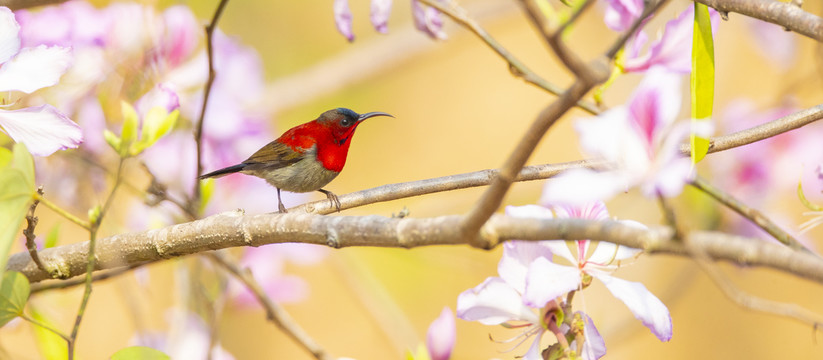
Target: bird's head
pixel 342 122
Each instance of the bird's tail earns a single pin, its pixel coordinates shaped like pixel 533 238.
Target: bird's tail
pixel 224 171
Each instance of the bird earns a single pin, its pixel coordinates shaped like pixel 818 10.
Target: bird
pixel 306 157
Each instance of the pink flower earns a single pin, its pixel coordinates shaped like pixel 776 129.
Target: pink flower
pixel 620 14
pixel 441 336
pixel 672 51
pixel 380 11
pixel 343 19
pixel 43 128
pixel 641 139
pixel 547 280
pixel 428 20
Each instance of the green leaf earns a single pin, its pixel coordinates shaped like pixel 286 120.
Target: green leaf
pixel 139 353
pixel 702 78
pixel 5 157
pixel 16 191
pixel 112 140
pixel 94 214
pixel 14 292
pixel 51 238
pixel 22 160
pixel 129 133
pixel 206 192
pixel 51 346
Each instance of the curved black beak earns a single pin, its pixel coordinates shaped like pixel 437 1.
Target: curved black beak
pixel 372 114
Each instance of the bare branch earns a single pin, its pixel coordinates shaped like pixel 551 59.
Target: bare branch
pixel 274 312
pixel 28 232
pixel 430 186
pixel 755 216
pixel 24 4
pixel 751 302
pixel 787 15
pixel 763 131
pixel 198 130
pixel 233 229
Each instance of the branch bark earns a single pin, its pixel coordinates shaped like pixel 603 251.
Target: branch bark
pixel 234 229
pixel 787 15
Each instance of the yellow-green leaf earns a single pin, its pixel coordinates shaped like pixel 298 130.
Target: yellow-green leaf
pixel 206 192
pixel 16 191
pixel 702 78
pixel 14 292
pixel 51 346
pixel 139 353
pixel 52 237
pixel 112 140
pixel 129 133
pixel 5 157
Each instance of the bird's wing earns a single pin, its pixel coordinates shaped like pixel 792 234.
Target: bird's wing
pixel 275 155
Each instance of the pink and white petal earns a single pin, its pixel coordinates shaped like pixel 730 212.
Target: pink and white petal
pixel 546 281
pixel 673 49
pixel 561 248
pixel 535 351
pixel 593 211
pixel 529 211
pixel 343 18
pixel 493 302
pixel 669 179
pixel 517 256
pixel 578 187
pixel 380 11
pixel 43 129
pixel 441 335
pixel 161 95
pixel 655 103
pixel 621 13
pixel 9 35
pixel 428 20
pixel 35 68
pixel 642 303
pixel 595 346
pixel 602 136
pixel 606 253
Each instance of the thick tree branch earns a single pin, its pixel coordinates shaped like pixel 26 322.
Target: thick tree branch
pixel 234 229
pixel 787 15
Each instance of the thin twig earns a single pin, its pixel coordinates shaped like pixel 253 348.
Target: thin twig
pixel 552 36
pixel 61 212
pixel 28 232
pixel 621 41
pixel 91 259
pixel 198 132
pixel 762 221
pixel 517 68
pixel 787 15
pixel 274 312
pixel 763 131
pixel 65 284
pixel 44 326
pixel 749 301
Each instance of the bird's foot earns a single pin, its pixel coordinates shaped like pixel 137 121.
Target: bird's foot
pixel 332 198
pixel 281 208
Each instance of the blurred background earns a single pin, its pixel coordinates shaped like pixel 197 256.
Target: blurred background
pixel 457 109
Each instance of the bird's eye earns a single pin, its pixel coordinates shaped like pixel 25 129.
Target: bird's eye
pixel 346 122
